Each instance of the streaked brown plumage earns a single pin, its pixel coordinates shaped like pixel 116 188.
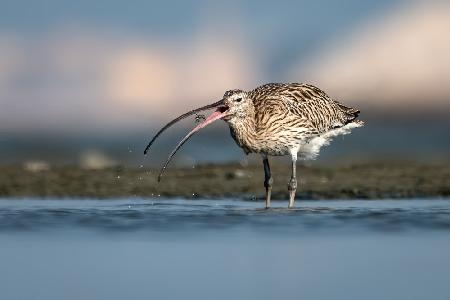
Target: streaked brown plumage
pixel 278 119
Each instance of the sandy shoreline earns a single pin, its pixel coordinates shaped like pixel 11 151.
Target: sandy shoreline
pixel 359 181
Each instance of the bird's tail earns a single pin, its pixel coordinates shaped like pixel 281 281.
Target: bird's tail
pixel 359 122
pixel 351 114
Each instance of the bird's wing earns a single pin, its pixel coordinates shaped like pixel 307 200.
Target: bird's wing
pixel 303 105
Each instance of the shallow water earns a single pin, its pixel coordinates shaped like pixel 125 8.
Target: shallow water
pixel 224 249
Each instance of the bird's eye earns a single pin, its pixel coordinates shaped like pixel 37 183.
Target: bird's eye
pixel 238 100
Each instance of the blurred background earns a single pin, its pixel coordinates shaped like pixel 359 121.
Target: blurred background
pixel 89 82
pixel 85 84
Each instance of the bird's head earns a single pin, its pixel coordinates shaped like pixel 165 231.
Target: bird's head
pixel 231 108
pixel 239 105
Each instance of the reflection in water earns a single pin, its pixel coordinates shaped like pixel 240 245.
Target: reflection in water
pixel 171 249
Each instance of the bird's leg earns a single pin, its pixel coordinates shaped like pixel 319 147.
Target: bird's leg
pixel 292 186
pixel 268 181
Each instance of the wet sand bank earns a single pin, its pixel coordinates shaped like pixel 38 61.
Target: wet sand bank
pixel 359 181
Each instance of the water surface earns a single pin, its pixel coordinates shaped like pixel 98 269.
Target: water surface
pixel 224 249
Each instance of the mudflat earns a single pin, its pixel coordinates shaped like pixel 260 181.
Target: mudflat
pixel 355 181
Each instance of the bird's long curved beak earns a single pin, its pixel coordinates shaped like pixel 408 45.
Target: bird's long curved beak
pixel 220 112
pixel 183 116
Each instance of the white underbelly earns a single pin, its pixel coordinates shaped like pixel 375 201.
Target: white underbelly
pixel 307 148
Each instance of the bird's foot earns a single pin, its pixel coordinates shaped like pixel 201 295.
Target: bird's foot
pixel 292 188
pixel 267 203
pixel 291 204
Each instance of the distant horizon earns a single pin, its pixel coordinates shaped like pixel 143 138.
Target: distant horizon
pixel 422 139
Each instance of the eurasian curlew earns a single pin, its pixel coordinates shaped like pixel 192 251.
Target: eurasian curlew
pixel 276 119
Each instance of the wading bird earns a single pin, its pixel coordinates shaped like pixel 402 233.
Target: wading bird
pixel 276 119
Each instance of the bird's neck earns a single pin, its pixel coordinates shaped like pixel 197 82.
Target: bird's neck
pixel 243 131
